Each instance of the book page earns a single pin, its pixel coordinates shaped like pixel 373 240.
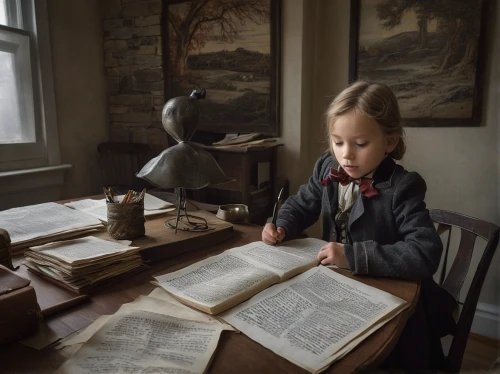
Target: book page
pixel 311 317
pixel 154 203
pixel 287 259
pixel 83 249
pixel 151 202
pixel 217 279
pixel 40 220
pixel 62 235
pixel 160 293
pixel 96 208
pixel 307 247
pixel 139 341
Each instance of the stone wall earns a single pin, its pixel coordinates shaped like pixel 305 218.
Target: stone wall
pixel 134 72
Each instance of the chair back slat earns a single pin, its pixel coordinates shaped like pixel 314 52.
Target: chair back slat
pixel 456 276
pixel 481 228
pixel 453 282
pixel 457 348
pixel 442 228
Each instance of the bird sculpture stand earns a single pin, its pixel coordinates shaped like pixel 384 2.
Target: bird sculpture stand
pixel 183 166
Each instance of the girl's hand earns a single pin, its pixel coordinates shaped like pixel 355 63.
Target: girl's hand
pixel 271 235
pixel 333 254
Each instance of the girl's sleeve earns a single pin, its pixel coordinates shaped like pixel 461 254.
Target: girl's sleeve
pixel 303 209
pixel 417 254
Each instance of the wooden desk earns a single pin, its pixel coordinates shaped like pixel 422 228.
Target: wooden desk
pixel 235 353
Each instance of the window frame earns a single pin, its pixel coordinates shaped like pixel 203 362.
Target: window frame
pixel 45 150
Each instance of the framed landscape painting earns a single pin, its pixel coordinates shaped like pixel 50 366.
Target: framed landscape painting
pixel 429 52
pixel 231 49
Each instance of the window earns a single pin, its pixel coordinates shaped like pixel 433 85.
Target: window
pixel 28 132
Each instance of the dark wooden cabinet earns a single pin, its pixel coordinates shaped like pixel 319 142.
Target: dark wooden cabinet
pixel 242 165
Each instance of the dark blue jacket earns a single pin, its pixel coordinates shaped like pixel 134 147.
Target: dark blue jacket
pixel 392 233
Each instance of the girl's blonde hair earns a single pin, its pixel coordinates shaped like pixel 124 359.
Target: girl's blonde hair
pixel 373 100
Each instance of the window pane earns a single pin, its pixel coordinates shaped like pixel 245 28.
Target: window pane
pixel 10 122
pixel 3 13
pixel 10 13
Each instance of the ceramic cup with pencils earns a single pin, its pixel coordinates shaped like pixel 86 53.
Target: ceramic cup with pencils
pixel 126 215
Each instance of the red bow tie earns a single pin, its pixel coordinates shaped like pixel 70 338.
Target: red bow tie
pixel 364 183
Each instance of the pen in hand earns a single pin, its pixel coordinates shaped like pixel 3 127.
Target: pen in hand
pixel 277 207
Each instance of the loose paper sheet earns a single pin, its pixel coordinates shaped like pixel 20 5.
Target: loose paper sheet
pixel 158 302
pixel 98 208
pixel 153 203
pixel 140 341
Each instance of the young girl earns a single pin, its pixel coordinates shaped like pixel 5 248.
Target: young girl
pixel 373 212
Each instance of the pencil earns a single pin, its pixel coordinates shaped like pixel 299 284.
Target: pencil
pixel 125 198
pixel 64 305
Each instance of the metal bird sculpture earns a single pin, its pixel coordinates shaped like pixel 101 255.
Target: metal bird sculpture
pixel 183 166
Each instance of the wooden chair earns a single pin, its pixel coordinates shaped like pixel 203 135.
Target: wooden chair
pixel 470 228
pixel 121 161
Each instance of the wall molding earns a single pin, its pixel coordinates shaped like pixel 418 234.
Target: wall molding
pixel 487 320
pixel 30 179
pixel 31 186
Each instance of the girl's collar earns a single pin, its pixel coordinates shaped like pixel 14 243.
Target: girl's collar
pixel 384 172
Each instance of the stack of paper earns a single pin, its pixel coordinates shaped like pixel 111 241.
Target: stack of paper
pixel 98 209
pixel 39 224
pixel 254 144
pixel 81 265
pixel 154 333
pixel 230 139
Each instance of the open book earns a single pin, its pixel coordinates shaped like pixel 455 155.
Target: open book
pixel 223 281
pixel 315 318
pixel 311 320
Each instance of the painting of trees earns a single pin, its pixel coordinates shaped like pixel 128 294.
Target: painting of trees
pixel 427 51
pixel 229 48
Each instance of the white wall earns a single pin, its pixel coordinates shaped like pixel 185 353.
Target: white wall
pixel 80 89
pixel 461 165
pixel 291 88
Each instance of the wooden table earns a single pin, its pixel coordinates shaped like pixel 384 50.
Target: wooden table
pixel 235 353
